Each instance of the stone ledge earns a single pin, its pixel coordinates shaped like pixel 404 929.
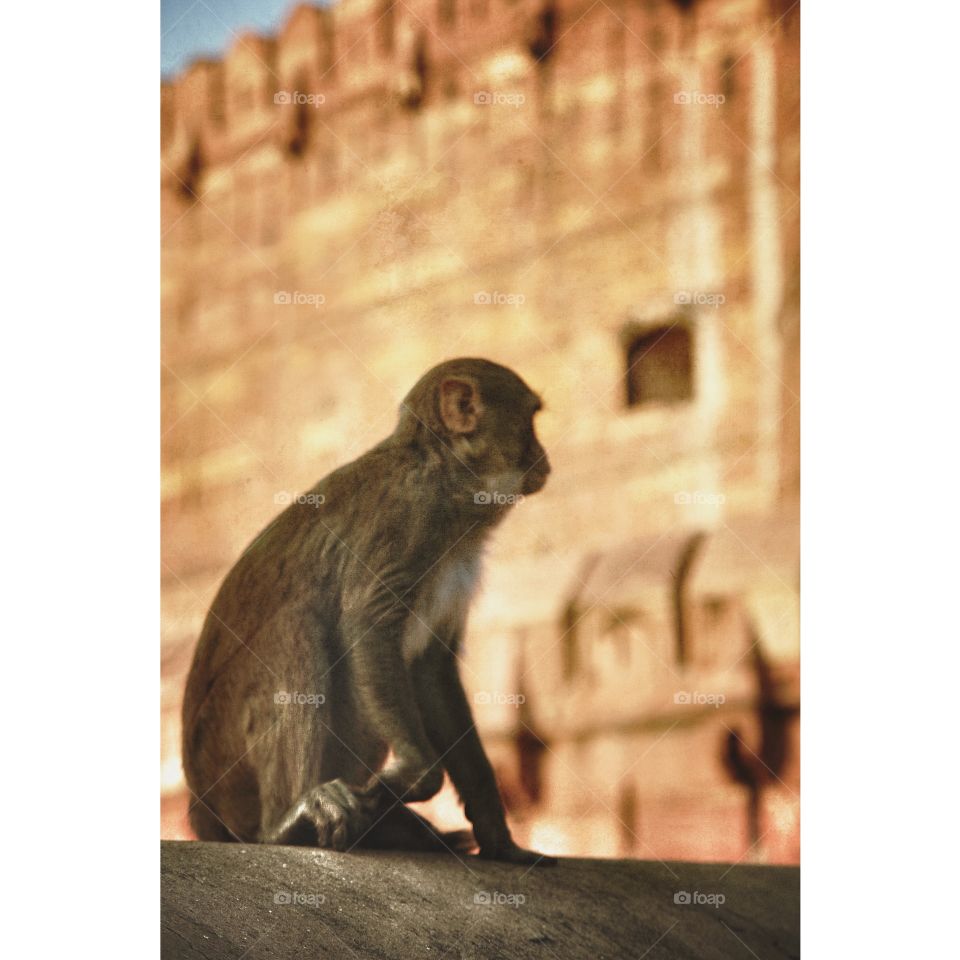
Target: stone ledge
pixel 225 900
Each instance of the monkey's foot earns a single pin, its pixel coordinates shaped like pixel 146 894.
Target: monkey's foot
pixel 400 828
pixel 407 781
pixel 329 815
pixel 509 852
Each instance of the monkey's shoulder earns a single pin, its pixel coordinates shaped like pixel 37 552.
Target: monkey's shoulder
pixel 386 488
pixel 387 464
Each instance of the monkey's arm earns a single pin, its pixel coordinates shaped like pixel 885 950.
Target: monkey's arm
pixel 389 704
pixel 451 729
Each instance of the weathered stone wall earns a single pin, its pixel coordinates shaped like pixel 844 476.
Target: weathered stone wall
pixel 227 901
pixel 381 187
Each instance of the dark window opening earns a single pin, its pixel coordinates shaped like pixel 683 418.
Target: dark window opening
pixel 302 128
pixel 660 366
pixel 543 35
pixel 301 131
pixel 414 98
pixel 192 171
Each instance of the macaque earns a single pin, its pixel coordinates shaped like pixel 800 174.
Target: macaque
pixel 351 605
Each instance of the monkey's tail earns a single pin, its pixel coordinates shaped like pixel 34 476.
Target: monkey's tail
pixel 402 829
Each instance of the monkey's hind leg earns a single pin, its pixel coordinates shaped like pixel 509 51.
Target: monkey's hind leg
pixel 207 825
pixel 330 815
pixel 400 828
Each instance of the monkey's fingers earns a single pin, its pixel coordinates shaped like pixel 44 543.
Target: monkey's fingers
pixel 336 815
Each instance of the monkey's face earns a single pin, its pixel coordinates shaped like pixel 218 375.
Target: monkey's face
pixel 532 460
pixel 484 414
pixel 515 461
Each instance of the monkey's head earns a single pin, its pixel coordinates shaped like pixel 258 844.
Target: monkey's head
pixel 479 415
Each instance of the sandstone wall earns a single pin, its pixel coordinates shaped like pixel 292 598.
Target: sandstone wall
pixel 382 186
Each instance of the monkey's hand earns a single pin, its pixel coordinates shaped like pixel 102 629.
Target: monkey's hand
pixel 508 852
pixel 485 812
pixel 329 815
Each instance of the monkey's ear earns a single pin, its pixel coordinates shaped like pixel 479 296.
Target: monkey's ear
pixel 460 406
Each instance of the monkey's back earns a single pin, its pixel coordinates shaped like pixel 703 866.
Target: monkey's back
pixel 273 634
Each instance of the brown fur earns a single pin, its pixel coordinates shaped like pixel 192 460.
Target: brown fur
pixel 357 597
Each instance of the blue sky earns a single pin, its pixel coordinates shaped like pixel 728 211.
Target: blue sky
pixel 196 28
